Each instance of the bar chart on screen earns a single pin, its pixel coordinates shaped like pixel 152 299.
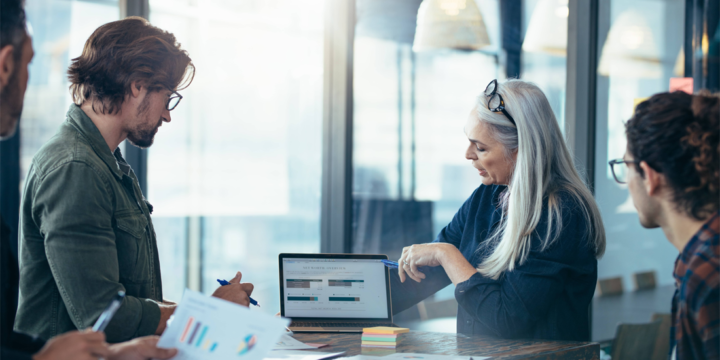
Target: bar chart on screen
pixel 209 328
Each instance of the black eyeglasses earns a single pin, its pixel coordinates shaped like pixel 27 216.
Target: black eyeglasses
pixel 173 100
pixel 620 172
pixel 495 102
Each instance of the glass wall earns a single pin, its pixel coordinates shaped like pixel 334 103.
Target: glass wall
pixel 235 177
pixel 545 49
pixel 410 171
pixel 60 29
pixel 639 42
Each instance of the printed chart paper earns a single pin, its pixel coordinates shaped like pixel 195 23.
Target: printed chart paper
pixel 301 355
pixel 207 328
pixel 414 356
pixel 287 342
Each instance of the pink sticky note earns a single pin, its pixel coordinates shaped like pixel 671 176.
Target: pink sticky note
pixel 681 84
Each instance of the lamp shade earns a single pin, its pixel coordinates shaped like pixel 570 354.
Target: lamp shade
pixel 547 29
pixel 630 49
pixel 450 24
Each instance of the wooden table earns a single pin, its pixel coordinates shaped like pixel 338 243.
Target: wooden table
pixel 458 344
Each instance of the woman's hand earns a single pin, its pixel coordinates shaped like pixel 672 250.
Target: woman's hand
pixel 431 254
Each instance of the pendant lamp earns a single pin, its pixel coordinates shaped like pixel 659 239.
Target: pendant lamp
pixel 450 24
pixel 547 29
pixel 630 50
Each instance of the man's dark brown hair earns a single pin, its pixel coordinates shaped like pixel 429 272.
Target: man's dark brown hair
pixel 677 134
pixel 126 51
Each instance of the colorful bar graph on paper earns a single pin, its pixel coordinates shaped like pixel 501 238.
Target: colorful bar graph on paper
pixel 202 335
pixel 187 328
pixel 193 331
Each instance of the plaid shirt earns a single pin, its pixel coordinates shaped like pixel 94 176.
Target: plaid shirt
pixel 696 304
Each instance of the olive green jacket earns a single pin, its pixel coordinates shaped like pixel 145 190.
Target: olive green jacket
pixel 85 234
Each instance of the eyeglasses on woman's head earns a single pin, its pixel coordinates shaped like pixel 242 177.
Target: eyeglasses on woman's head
pixel 495 102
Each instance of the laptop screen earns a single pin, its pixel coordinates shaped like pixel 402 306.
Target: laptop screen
pixel 334 288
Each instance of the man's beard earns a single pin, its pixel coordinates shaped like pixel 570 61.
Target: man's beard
pixel 143 137
pixel 11 105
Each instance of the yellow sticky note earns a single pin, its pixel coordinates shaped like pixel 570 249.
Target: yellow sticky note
pixel 637 102
pixel 385 330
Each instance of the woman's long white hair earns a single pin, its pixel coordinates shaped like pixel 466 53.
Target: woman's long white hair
pixel 543 169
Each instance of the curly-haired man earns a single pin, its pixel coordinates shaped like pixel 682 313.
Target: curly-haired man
pixel 672 164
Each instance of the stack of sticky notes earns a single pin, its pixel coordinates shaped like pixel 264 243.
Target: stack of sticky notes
pixel 382 336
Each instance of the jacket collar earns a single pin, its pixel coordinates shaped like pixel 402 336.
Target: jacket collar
pixel 80 121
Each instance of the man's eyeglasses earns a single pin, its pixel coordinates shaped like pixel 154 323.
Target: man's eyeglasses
pixel 619 169
pixel 173 100
pixel 495 102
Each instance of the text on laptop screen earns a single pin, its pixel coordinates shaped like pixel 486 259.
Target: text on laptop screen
pixel 334 288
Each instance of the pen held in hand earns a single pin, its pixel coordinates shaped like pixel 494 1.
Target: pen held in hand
pixel 225 282
pixel 107 315
pixel 391 264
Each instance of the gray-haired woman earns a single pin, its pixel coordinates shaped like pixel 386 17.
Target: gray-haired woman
pixel 522 250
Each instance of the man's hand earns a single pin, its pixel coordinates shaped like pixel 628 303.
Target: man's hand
pixel 143 348
pixel 166 311
pixel 235 292
pixel 74 345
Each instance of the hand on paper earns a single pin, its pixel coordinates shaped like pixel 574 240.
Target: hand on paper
pixel 421 255
pixel 236 292
pixel 74 345
pixel 143 348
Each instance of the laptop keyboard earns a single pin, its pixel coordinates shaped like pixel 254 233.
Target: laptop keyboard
pixel 338 324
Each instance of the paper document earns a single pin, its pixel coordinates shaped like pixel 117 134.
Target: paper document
pixel 414 356
pixel 301 355
pixel 362 357
pixel 288 342
pixel 207 328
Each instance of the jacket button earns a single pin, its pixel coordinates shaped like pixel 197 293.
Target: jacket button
pixel 468 321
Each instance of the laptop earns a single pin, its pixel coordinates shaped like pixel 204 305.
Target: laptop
pixel 334 292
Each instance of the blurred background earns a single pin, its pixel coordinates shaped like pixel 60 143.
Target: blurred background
pixel 342 122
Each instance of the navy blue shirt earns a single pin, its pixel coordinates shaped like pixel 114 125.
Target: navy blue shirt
pixel 547 297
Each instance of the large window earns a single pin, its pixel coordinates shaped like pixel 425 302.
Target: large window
pixel 60 29
pixel 544 50
pixel 410 108
pixel 638 46
pixel 235 177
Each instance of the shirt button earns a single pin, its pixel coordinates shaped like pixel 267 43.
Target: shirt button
pixel 468 321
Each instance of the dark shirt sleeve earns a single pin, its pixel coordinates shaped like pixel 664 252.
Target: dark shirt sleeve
pixel 511 305
pixel 405 295
pixel 73 206
pixel 9 354
pixel 21 346
pixel 15 346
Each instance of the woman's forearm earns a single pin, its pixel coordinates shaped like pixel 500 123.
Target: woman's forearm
pixel 457 268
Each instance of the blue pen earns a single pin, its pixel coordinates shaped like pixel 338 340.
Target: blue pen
pixel 224 282
pixel 390 264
